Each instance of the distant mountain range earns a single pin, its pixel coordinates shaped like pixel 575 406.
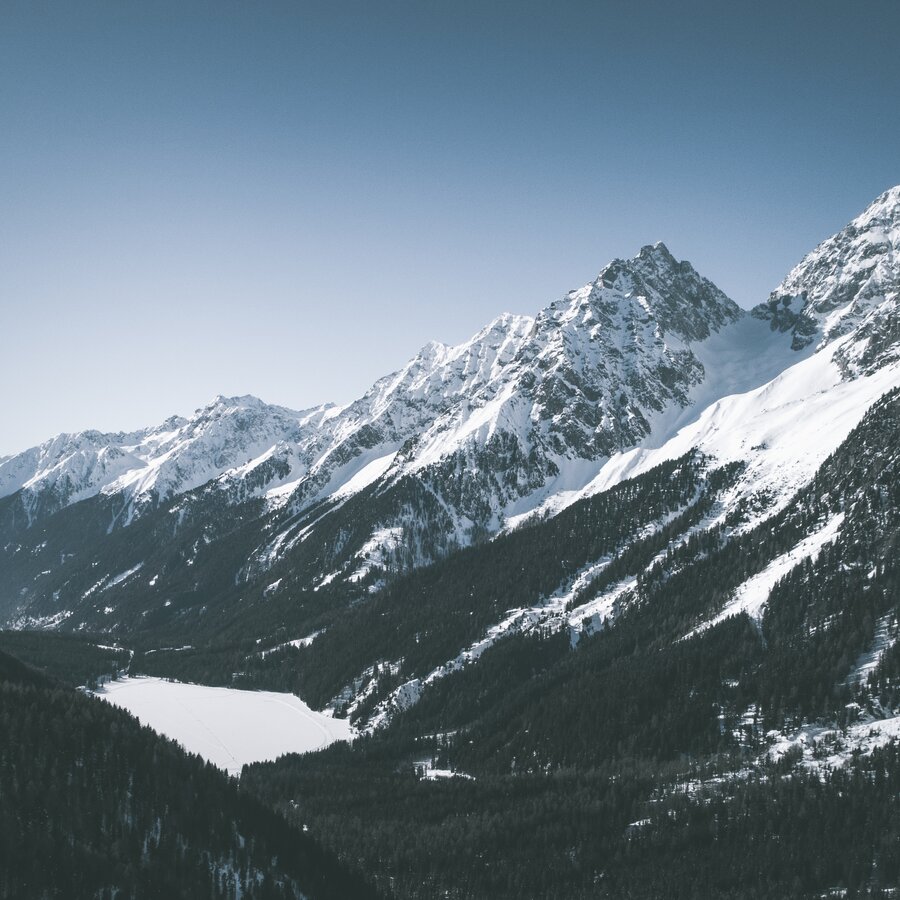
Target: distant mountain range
pixel 645 362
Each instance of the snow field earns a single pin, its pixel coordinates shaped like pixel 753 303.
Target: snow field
pixel 227 727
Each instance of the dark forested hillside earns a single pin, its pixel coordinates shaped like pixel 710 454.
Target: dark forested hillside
pixel 626 830
pixel 425 616
pixel 93 805
pixel 75 659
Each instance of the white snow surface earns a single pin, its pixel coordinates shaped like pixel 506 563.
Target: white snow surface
pixel 367 474
pixel 426 770
pixel 227 727
pixel 122 576
pixel 297 642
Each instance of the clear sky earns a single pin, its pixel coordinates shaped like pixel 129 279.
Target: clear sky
pixel 289 199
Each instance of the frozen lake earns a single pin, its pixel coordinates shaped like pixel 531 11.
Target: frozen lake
pixel 225 726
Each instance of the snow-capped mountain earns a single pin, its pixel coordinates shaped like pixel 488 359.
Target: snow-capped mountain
pixel 840 310
pixel 582 380
pixel 176 456
pixel 645 363
pixel 591 370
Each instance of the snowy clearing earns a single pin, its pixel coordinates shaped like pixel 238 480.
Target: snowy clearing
pixel 227 727
pixel 828 747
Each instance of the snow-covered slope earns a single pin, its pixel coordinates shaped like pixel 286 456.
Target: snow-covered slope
pixel 594 367
pixel 782 411
pixel 528 402
pixel 783 430
pixel 641 365
pixel 176 456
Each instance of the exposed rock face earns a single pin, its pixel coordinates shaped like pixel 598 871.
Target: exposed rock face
pixel 849 283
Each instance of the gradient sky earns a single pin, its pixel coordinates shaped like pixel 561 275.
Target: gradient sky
pixel 289 199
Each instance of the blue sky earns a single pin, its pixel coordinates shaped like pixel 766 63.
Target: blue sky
pixel 289 199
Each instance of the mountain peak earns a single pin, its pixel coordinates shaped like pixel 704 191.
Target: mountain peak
pixel 849 278
pixel 883 211
pixel 432 349
pixel 657 251
pixel 245 400
pixel 890 198
pixel 682 301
